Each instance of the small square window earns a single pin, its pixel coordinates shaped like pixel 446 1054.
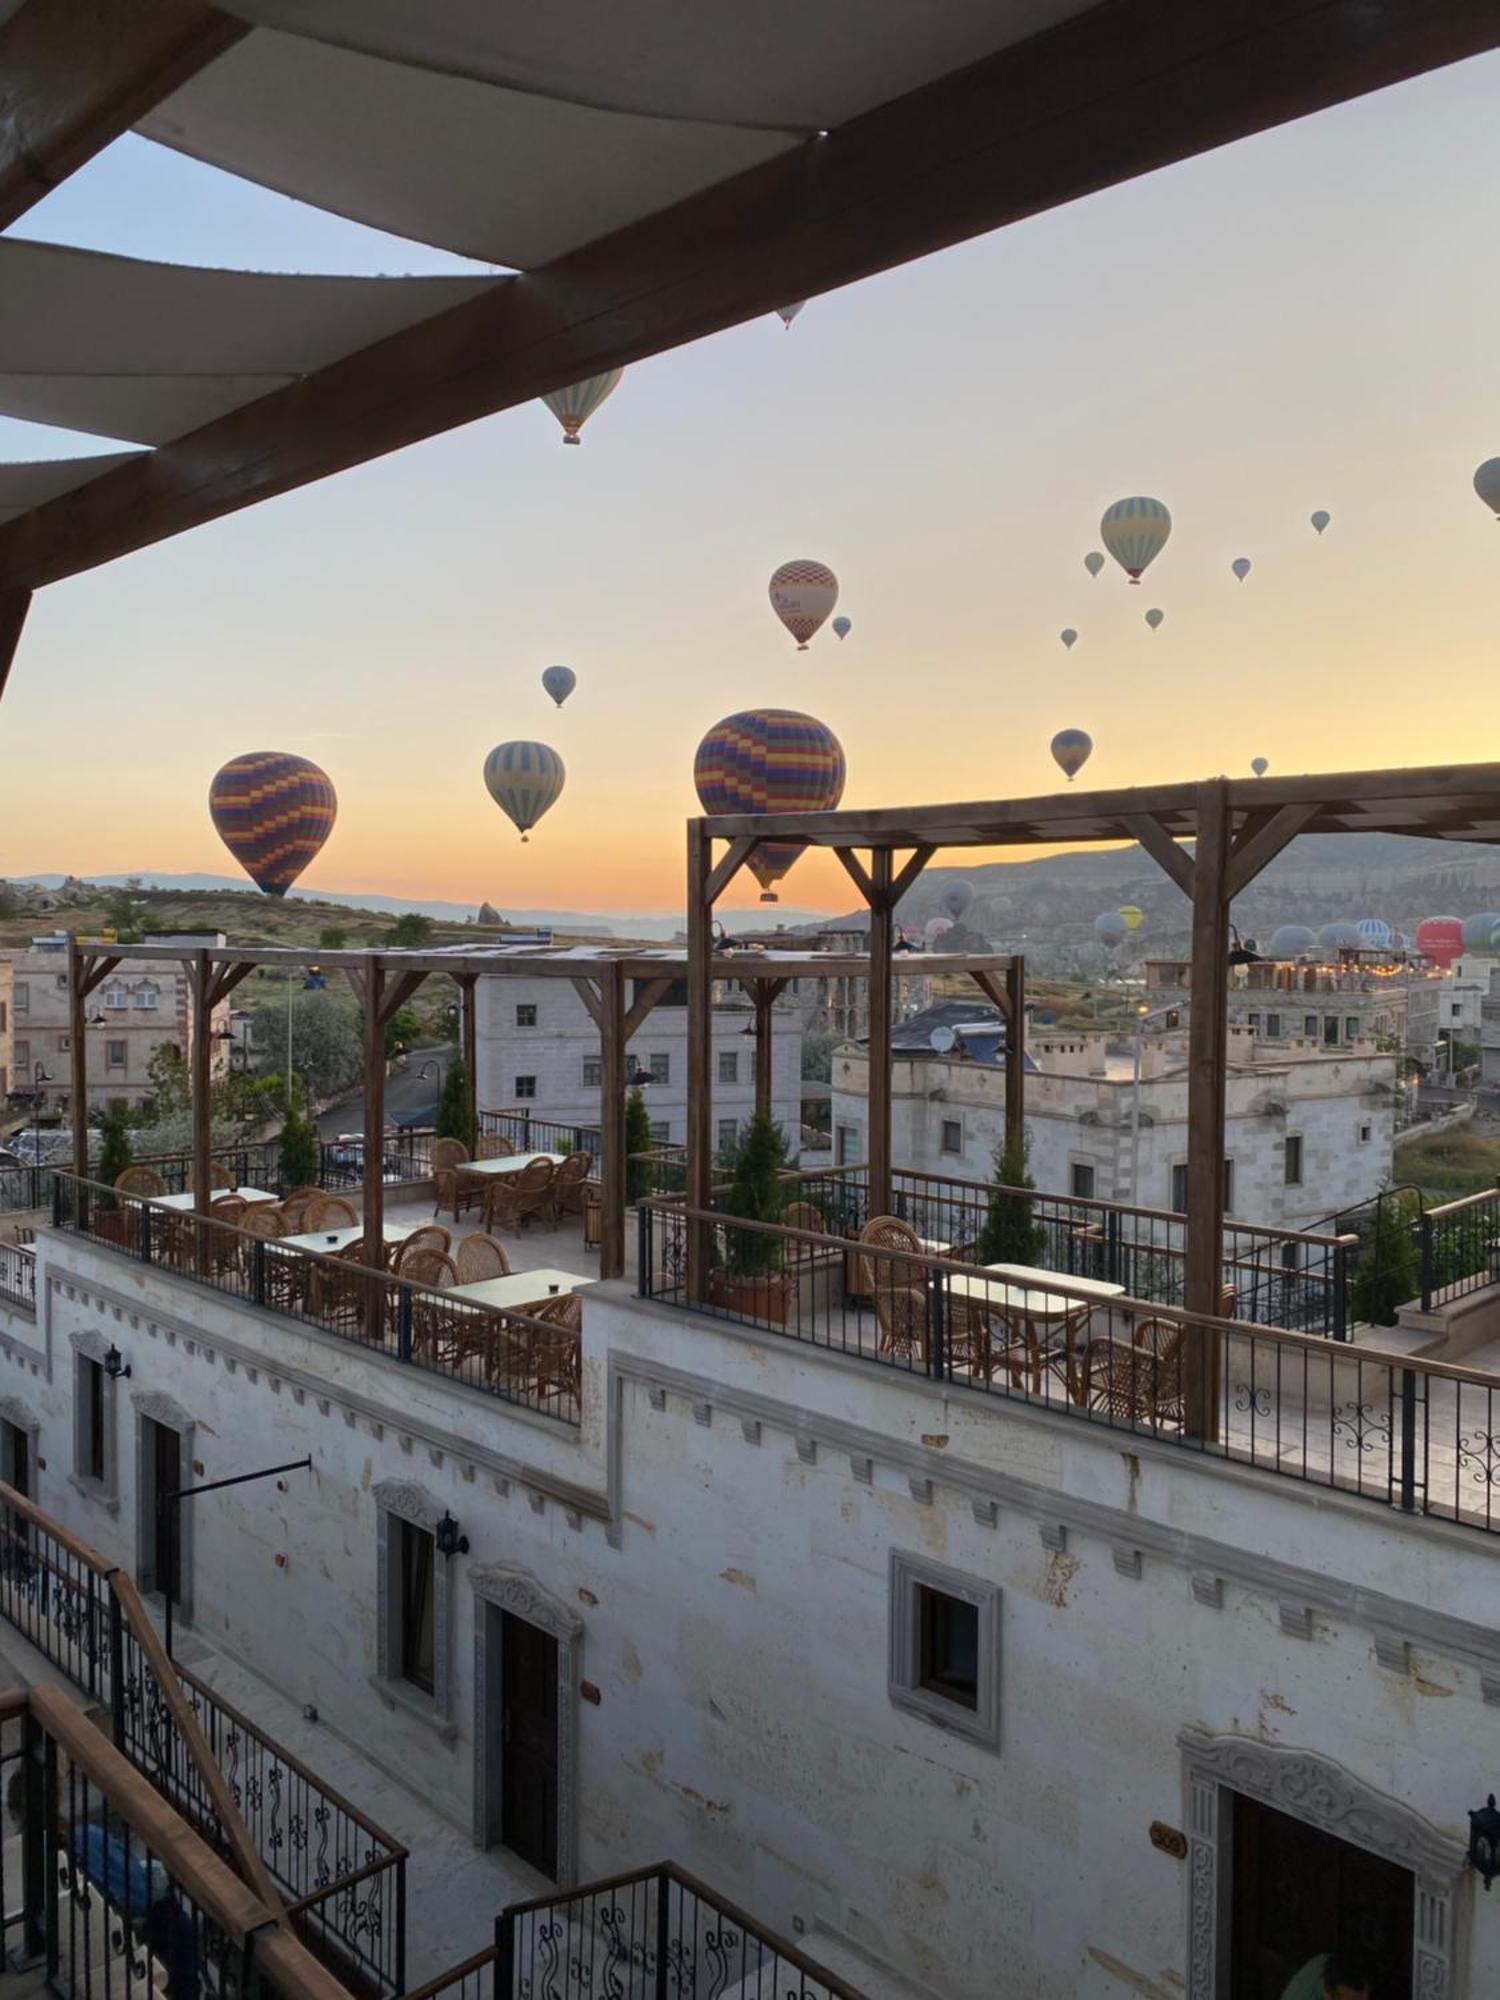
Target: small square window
pixel 1310 1026
pixel 1293 1162
pixel 953 1135
pixel 146 997
pixel 1273 1027
pixel 1082 1179
pixel 417 1610
pixel 1351 1029
pixel 729 1065
pixel 114 1055
pixel 660 1068
pixel 661 1131
pixel 729 1132
pixel 1253 1019
pixel 525 1087
pixel 64 1043
pixel 948 1646
pixel 23 995
pixel 525 1013
pixel 23 1056
pixel 1179 1188
pixel 1364 1135
pixel 945 1647
pixel 593 1072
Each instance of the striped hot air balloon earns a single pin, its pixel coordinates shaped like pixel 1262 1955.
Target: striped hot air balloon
pixel 1071 750
pixel 770 760
pixel 574 405
pixel 525 780
pixel 559 682
pixel 802 595
pixel 1135 532
pixel 273 811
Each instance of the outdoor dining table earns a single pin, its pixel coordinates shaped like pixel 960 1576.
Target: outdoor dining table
pixel 331 1241
pixel 509 1163
pixel 187 1198
pixel 1024 1292
pixel 520 1290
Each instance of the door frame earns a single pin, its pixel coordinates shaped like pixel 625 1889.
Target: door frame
pixel 500 1588
pixel 22 1419
pixel 152 1406
pixel 1324 1795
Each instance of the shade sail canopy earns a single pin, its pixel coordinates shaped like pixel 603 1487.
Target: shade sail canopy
pixel 30 484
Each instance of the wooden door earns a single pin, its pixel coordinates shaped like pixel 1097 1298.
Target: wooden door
pixel 166 1477
pixel 1297 1892
pixel 528 1757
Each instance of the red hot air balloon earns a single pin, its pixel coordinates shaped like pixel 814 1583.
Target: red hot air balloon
pixel 1441 939
pixel 770 760
pixel 273 811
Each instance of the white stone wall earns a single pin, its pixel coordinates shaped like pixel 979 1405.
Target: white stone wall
pixel 555 1049
pixel 721 1531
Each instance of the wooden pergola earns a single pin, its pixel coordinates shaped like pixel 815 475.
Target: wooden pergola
pixel 1236 827
pixel 619 988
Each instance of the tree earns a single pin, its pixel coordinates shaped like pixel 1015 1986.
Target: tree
pixel 818 1045
pixel 1387 1276
pixel 171 1084
pixel 638 1140
pixel 114 1141
pixel 327 1045
pixel 300 1155
pixel 454 1119
pixel 1011 1235
pixel 410 928
pixel 332 937
pixel 756 1193
pixel 401 1030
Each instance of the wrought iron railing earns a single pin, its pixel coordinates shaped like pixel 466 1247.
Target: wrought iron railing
pixel 652 1934
pixel 474 1979
pixel 405 1156
pixel 528 1133
pixel 1459 1246
pixel 18 1276
pixel 1419 1435
pixel 23 1188
pixel 508 1354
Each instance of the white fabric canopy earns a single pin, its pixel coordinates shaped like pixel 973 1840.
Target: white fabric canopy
pixel 129 349
pixel 36 481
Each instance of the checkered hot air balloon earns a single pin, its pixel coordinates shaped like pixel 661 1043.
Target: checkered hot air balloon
pixel 273 811
pixel 525 780
pixel 770 760
pixel 802 595
pixel 574 405
pixel 1135 533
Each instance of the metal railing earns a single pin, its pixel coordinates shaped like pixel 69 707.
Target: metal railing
pixel 529 1133
pixel 653 1934
pixel 1419 1435
pixel 18 1276
pixel 343 1877
pixel 474 1979
pixel 1295 1279
pixel 405 1156
pixel 508 1353
pixel 1459 1247
pixel 24 1188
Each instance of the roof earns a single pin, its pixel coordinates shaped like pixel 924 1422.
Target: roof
pixel 977 1025
pixel 644 174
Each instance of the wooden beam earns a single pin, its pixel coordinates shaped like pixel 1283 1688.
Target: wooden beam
pixel 652 991
pixel 201 983
pixel 1163 849
pixel 1207 1055
pixel 225 980
pixel 854 868
pixel 373 1175
pixel 75 74
pixel 764 993
pixel 588 991
pixel 878 1088
pixel 97 969
pixel 14 605
pixel 1251 855
pixel 729 865
pixel 911 868
pixel 78 1087
pixel 613 1036
pixel 468 1042
pixel 700 1108
pixel 400 991
pixel 994 989
pixel 1015 1053
pixel 1119 89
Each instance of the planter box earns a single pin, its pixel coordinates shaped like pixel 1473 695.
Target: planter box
pixel 766 1297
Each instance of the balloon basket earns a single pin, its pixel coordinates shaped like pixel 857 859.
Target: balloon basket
pixel 769 896
pixel 802 646
pixel 525 838
pixel 570 438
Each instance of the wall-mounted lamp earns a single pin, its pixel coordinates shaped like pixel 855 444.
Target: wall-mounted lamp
pixel 449 1541
pixel 114 1366
pixel 1484 1841
pixel 638 1077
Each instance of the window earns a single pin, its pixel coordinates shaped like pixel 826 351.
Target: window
pixel 729 1065
pixel 1293 1163
pixel 525 1087
pixel 3 1022
pixel 1351 1029
pixel 115 995
pixel 953 1135
pixel 92 1413
pixel 945 1647
pixel 1364 1135
pixel 22 995
pixel 1273 1026
pixel 114 1055
pixel 593 1072
pixel 660 1068
pixel 64 1043
pixel 417 1608
pixel 846 1145
pixel 525 1013
pixel 661 1131
pixel 1310 1026
pixel 729 1132
pixel 1331 1032
pixel 1082 1180
pixel 23 1056
pixel 1253 1019
pixel 1229 1187
pixel 146 996
pixel 1179 1188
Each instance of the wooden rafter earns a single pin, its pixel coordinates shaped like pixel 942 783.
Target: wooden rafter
pixel 14 605
pixel 593 1000
pixel 1163 849
pixel 651 992
pixel 728 866
pixel 401 988
pixel 908 872
pixel 1250 855
pixel 858 874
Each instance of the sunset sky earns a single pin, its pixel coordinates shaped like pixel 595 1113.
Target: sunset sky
pixel 1307 319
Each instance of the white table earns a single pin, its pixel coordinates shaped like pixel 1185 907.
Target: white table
pixel 185 1200
pixel 1025 1291
pixel 509 1163
pixel 331 1241
pixel 520 1290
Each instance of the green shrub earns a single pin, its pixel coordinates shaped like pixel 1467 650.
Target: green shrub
pixel 1388 1275
pixel 114 1142
pixel 454 1118
pixel 1011 1235
pixel 756 1193
pixel 639 1180
pixel 300 1153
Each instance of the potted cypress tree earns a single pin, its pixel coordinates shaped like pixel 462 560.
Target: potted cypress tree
pixel 1011 1233
pixel 111 1220
pixel 749 1275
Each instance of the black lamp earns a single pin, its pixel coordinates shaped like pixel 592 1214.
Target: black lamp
pixel 639 1077
pixel 1242 952
pixel 449 1541
pixel 114 1367
pixel 1484 1841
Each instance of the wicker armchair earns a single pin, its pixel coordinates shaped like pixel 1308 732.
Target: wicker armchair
pixel 513 1199
pixel 338 1287
pixel 327 1211
pixel 803 1215
pixel 433 1335
pixel 446 1192
pixel 431 1236
pixel 898 1288
pixel 448 1153
pixel 294 1208
pixel 494 1146
pixel 569 1182
pixel 219 1176
pixel 555 1358
pixel 479 1257
pixel 140 1180
pixel 1139 1381
pixel 282 1271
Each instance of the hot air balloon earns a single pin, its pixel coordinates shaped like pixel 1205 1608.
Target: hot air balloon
pixel 1291 941
pixel 802 595
pixel 769 760
pixel 1110 927
pixel 559 683
pixel 1320 519
pixel 1340 936
pixel 956 899
pixel 1135 532
pixel 1093 562
pixel 1374 934
pixel 1441 939
pixel 1487 484
pixel 842 627
pixel 1241 567
pixel 1133 917
pixel 937 927
pixel 574 405
pixel 1071 749
pixel 1479 933
pixel 525 780
pixel 1069 637
pixel 1154 618
pixel 786 314
pixel 273 811
pixel 1260 766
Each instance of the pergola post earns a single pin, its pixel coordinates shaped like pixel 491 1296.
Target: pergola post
pixel 373 1152
pixel 200 976
pixel 612 1123
pixel 468 1042
pixel 699 1047
pixel 1015 1054
pixel 1208 1041
pixel 878 1087
pixel 78 1094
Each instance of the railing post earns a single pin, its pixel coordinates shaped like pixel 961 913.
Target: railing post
pixel 147 1249
pixel 57 1205
pixel 1424 1224
pixel 38 1867
pixel 1341 1257
pixel 258 1272
pixel 1408 1440
pixel 663 1931
pixel 400 1966
pixel 403 1322
pixel 937 1345
pixel 1112 1245
pixel 117 1671
pixel 644 1273
pixel 505 1956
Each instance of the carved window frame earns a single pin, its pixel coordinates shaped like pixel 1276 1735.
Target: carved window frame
pixel 153 1406
pixel 1324 1795
pixel 518 1592
pixel 91 1346
pixel 909 1574
pixel 405 1500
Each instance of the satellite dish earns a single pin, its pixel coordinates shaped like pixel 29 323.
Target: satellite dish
pixel 942 1040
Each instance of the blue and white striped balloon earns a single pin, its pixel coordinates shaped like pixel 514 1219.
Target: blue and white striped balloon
pixel 574 405
pixel 1135 532
pixel 524 780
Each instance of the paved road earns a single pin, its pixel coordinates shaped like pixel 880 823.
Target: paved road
pixel 410 1096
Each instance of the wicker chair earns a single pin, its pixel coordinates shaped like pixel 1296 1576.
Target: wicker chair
pixel 218 1176
pixel 338 1287
pixel 140 1180
pixel 494 1146
pixel 431 1236
pixel 294 1208
pixel 447 1192
pixel 479 1257
pixel 433 1334
pixel 1139 1381
pixel 803 1215
pixel 448 1153
pixel 327 1211
pixel 282 1273
pixel 555 1358
pixel 902 1306
pixel 569 1182
pixel 513 1199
